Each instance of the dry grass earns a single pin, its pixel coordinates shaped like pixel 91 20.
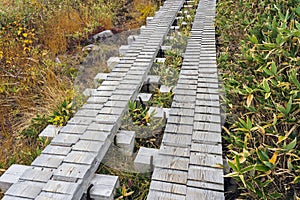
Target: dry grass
pixel 32 34
pixel 57 27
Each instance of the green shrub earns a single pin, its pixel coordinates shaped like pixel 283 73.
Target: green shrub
pixel 259 62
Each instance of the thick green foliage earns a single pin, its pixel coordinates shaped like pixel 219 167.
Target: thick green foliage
pixel 259 61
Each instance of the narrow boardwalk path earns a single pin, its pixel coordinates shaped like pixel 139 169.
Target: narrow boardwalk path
pixel 186 165
pixel 191 150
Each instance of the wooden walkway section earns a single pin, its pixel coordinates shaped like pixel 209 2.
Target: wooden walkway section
pixel 187 163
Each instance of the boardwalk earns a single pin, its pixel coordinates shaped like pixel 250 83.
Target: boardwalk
pixel 191 150
pixel 186 166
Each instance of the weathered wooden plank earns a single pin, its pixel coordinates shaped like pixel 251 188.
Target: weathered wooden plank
pixel 206 174
pixel 207 110
pixel 81 120
pixel 168 187
pixel 73 129
pixel 182 112
pixel 207 126
pixel 156 195
pixel 104 186
pixel 48 161
pixel 37 174
pixel 26 189
pixel 61 187
pixel 175 151
pixel 206 137
pixel 181 120
pixel 197 194
pixel 89 146
pixel 95 136
pixel 171 162
pixel 101 127
pixel 179 128
pixel 7 197
pixel 56 150
pixel 207 148
pixel 71 172
pixel 169 175
pixel 206 185
pixel 65 140
pixel 53 196
pixel 177 140
pixel 208 118
pixel 78 157
pixel 11 176
pixel 205 159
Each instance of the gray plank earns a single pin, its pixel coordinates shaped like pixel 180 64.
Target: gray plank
pixel 73 129
pixel 81 120
pixel 206 185
pixel 87 145
pixel 48 161
pixel 175 151
pixel 101 127
pixel 7 197
pixel 177 140
pixel 26 189
pixel 206 174
pixel 11 176
pixel 71 172
pixel 157 195
pixel 169 175
pixel 207 126
pixel 168 187
pixel 86 113
pixel 207 110
pixel 78 157
pixel 206 137
pixel 61 187
pixel 207 148
pixel 53 196
pixel 179 128
pixel 171 162
pixel 56 150
pixel 205 159
pixel 92 106
pixel 197 194
pixel 95 135
pixel 181 120
pixel 37 174
pixel 182 112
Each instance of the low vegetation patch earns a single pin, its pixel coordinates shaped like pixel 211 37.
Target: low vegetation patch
pixel 259 61
pixel 40 49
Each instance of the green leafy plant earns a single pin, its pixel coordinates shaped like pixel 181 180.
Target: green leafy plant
pixel 168 75
pixel 63 113
pixel 163 100
pixel 174 58
pixel 138 113
pixel 259 63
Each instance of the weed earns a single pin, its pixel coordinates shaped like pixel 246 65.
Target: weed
pixel 62 114
pixel 148 129
pixel 168 75
pixel 163 100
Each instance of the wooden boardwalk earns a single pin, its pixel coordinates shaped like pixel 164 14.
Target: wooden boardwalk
pixel 186 166
pixel 188 159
